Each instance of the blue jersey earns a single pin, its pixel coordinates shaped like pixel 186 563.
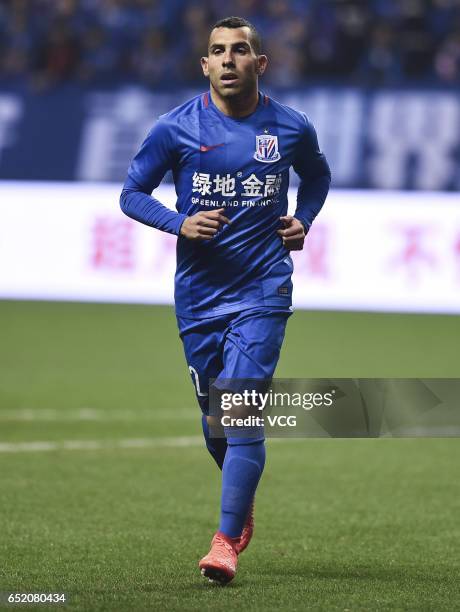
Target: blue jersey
pixel 239 164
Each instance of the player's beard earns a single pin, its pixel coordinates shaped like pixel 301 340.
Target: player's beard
pixel 242 90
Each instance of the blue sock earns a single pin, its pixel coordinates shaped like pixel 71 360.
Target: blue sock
pixel 241 472
pixel 216 446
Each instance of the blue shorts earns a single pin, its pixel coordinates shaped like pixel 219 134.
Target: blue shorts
pixel 237 345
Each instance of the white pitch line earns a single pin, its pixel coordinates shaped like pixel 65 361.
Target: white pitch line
pixel 94 414
pixel 124 443
pixel 46 446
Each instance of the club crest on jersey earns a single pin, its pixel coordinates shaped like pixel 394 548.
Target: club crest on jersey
pixel 267 149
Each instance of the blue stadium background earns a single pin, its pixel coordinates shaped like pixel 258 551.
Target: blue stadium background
pixel 82 81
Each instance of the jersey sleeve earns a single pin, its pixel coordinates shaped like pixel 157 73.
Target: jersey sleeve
pixel 315 175
pixel 156 156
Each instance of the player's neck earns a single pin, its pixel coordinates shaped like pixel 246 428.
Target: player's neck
pixel 237 107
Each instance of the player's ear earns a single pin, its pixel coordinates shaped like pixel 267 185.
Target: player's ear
pixel 262 62
pixel 204 66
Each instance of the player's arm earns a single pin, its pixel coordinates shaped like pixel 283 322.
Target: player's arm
pixel 315 178
pixel 156 156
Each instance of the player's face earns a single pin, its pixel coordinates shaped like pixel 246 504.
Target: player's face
pixel 232 64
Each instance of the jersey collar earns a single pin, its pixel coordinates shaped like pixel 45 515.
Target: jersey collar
pixel 207 102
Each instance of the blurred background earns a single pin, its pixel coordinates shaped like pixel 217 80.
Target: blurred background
pixel 98 418
pixel 379 78
pixel 156 43
pixel 82 82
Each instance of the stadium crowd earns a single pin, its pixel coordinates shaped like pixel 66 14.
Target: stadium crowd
pixel 158 42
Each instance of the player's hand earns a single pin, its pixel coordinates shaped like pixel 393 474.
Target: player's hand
pixel 204 225
pixel 293 233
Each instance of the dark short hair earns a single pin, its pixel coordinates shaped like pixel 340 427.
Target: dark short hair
pixel 239 22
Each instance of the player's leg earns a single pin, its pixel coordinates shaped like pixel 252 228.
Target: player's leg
pixel 241 471
pixel 203 347
pixel 203 342
pixel 251 351
pixel 252 348
pixel 217 447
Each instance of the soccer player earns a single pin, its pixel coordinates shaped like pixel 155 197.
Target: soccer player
pixel 230 151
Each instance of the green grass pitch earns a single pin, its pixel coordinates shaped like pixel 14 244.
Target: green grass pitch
pixel 340 524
